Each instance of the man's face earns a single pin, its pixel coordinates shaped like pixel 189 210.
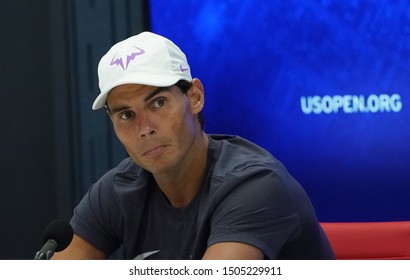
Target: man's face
pixel 158 127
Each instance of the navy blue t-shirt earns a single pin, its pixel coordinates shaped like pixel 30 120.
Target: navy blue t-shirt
pixel 247 196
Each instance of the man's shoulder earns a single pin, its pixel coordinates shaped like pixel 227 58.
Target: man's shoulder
pixel 238 145
pixel 125 172
pixel 122 184
pixel 233 153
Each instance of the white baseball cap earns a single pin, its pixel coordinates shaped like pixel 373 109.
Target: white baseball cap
pixel 147 59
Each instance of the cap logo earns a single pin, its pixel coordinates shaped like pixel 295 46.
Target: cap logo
pixel 129 58
pixel 183 68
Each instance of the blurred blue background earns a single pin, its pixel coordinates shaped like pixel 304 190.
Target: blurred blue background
pixel 258 59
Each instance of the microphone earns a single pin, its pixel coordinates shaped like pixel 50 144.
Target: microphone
pixel 56 237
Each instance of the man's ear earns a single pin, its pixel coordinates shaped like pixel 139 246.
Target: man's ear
pixel 196 96
pixel 107 110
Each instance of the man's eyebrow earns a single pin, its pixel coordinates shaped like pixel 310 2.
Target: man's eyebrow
pixel 155 92
pixel 114 110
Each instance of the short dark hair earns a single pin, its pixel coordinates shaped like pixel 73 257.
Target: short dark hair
pixel 184 86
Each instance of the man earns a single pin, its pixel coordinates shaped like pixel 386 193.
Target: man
pixel 183 194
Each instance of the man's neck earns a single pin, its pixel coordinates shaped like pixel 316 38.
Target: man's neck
pixel 181 186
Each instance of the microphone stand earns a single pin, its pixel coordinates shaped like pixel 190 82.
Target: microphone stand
pixel 44 256
pixel 47 251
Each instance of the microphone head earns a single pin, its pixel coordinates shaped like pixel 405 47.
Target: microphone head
pixel 61 232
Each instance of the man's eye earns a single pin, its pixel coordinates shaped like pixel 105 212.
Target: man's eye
pixel 126 115
pixel 159 103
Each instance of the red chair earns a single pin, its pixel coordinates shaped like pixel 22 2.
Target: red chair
pixel 369 240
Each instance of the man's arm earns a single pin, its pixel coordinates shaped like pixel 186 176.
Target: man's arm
pixel 232 251
pixel 79 249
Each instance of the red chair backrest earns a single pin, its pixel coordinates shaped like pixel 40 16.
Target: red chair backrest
pixel 369 240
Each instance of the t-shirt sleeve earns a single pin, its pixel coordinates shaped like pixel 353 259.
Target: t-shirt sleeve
pixel 97 216
pixel 255 207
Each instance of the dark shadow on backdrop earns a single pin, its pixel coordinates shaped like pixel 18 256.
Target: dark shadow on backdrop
pixel 53 146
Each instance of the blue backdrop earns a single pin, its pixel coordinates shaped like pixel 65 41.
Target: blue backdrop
pixel 323 85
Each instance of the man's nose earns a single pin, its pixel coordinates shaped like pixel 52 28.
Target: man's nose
pixel 145 126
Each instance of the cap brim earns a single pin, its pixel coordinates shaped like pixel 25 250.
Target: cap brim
pixel 143 79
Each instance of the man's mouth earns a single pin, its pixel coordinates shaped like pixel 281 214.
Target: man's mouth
pixel 155 151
